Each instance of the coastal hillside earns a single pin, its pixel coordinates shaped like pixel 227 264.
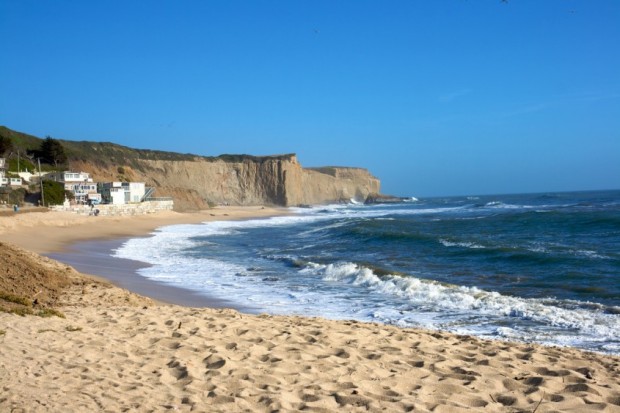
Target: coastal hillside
pixel 198 181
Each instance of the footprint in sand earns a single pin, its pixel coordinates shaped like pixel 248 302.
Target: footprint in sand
pixel 505 399
pixel 391 350
pixel 309 398
pixel 534 381
pixel 214 362
pixel 177 370
pixel 614 400
pixel 580 387
pixel 543 371
pixel 353 400
pixel 342 354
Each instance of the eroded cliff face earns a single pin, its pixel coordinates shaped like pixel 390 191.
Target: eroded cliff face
pixel 277 180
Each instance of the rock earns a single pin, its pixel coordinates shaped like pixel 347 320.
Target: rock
pixel 383 199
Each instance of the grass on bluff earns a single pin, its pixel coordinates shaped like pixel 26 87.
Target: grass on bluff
pixel 13 304
pixel 30 284
pixel 108 153
pixel 14 299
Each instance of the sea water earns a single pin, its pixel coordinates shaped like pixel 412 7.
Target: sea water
pixel 539 268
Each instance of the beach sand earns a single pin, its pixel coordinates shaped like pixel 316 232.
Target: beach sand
pixel 118 351
pixel 46 232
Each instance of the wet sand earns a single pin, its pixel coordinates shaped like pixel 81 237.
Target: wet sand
pixel 85 243
pixel 95 258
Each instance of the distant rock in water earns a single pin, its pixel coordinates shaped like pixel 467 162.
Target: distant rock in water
pixel 383 199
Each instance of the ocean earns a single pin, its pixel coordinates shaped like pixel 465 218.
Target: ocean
pixel 541 268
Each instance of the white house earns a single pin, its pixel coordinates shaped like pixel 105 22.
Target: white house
pixel 15 181
pixel 68 177
pixel 119 193
pixel 9 181
pixel 79 183
pixel 4 181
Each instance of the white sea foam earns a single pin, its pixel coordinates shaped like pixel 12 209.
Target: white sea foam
pixel 590 254
pixel 442 300
pixel 472 245
pixel 347 290
pixel 501 205
pixel 556 248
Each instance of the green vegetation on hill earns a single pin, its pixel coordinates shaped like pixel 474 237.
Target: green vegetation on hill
pixel 107 153
pixel 243 158
pixel 54 193
pixel 21 140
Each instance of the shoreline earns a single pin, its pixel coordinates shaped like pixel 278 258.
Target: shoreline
pixel 94 257
pixel 48 232
pixel 86 242
pixel 118 351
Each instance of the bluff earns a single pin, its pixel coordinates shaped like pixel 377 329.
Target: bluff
pixel 277 180
pixel 195 182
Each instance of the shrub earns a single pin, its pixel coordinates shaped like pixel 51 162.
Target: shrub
pixel 54 193
pixel 16 196
pixel 50 312
pixel 14 299
pixel 24 164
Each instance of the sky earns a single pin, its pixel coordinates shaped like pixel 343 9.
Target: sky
pixel 434 97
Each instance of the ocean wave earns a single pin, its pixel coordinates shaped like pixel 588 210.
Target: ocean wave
pixel 322 260
pixel 501 205
pixel 590 254
pixel 431 296
pixel 558 250
pixel 472 245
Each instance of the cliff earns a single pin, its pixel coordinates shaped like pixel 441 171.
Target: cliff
pixel 195 182
pixel 279 180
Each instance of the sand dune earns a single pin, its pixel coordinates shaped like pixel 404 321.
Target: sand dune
pixel 116 351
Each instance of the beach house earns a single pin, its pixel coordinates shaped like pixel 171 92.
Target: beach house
pixel 78 183
pixel 120 193
pixel 3 180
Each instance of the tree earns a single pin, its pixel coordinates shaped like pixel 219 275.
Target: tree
pixel 54 193
pixel 53 152
pixel 6 145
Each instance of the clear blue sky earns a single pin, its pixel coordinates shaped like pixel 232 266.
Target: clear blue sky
pixel 435 97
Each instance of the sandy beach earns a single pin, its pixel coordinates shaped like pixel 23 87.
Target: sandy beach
pixel 51 231
pixel 115 350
